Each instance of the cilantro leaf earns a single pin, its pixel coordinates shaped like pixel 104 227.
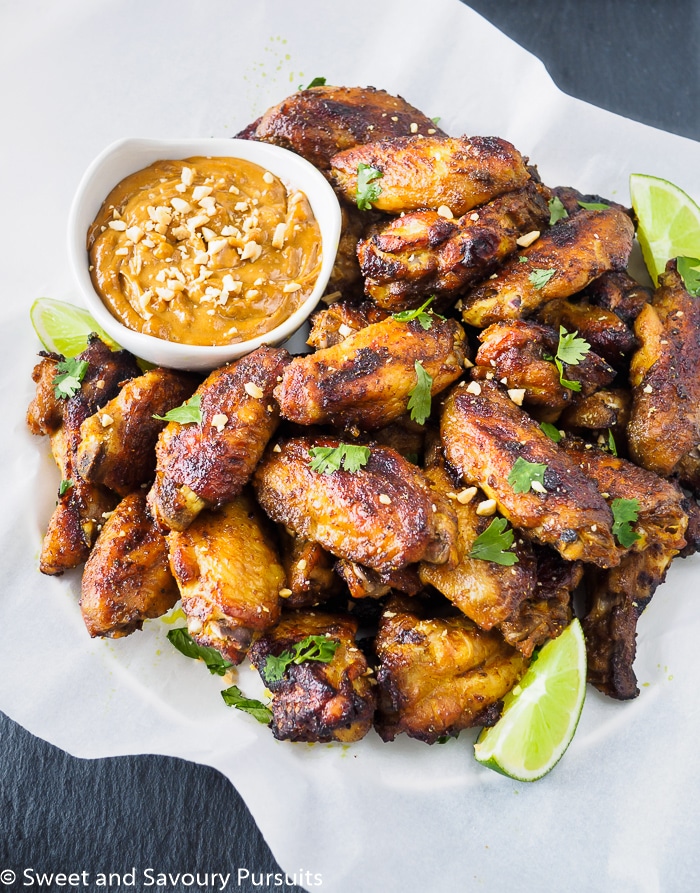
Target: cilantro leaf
pixel 185 644
pixel 539 278
pixel 367 190
pixel 326 460
pixel 420 396
pixel 316 82
pixel 594 206
pixel 625 513
pixel 493 544
pixel 557 211
pixel 552 432
pixel 612 446
pixel 425 319
pixel 315 648
pixel 69 375
pixel 234 697
pixel 65 486
pixel 190 412
pixel 571 349
pixel 689 271
pixel 525 476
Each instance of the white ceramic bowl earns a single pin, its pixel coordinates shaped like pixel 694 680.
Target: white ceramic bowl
pixel 130 155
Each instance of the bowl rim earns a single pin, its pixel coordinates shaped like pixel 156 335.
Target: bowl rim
pixel 115 162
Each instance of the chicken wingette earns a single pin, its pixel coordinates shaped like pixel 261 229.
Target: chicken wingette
pixel 229 575
pixel 425 253
pixel 383 515
pixel 366 380
pixel 485 435
pixel 438 676
pixel 664 424
pixel 565 259
pixel 417 172
pixel 81 506
pixel 117 444
pixel 127 578
pixel 324 691
pixel 309 572
pixel 203 464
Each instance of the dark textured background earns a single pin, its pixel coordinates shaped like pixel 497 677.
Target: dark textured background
pixel 639 59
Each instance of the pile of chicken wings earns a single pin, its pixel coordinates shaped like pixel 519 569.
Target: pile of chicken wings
pixel 371 491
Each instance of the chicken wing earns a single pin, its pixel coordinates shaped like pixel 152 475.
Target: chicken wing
pixel 205 464
pixel 81 506
pixel 560 263
pixel 366 380
pixel 484 434
pixel 117 444
pixel 308 568
pixel 608 335
pixel 417 172
pixel 317 700
pixel 334 324
pixel 439 676
pixel 384 515
pixel 607 411
pixel 229 575
pixel 424 253
pixel 127 577
pixel 318 122
pixel 664 424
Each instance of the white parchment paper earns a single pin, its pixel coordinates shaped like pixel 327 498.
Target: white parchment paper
pixel 621 811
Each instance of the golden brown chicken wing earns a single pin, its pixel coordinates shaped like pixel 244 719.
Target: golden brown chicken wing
pixel 229 575
pixel 384 515
pixel 608 335
pixel 439 676
pixel 334 324
pixel 127 578
pixel 367 379
pixel 330 698
pixel 117 444
pixel 560 263
pixel 457 173
pixel 206 463
pixel 664 424
pixel 320 121
pixel 424 253
pixel 485 434
pixel 308 569
pixel 607 411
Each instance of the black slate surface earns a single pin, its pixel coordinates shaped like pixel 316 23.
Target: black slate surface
pixel 57 813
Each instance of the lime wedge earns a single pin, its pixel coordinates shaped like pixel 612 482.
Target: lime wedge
pixel 63 328
pixel 668 222
pixel 541 713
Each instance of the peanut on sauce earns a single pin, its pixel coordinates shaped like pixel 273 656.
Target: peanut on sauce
pixel 207 251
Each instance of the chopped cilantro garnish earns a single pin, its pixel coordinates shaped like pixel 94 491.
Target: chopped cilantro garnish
pixel 234 697
pixel 316 648
pixel 190 412
pixel 420 314
pixel 493 544
pixel 420 396
pixel 525 476
pixel 539 278
pixel 326 460
pixel 552 432
pixel 557 211
pixel 689 271
pixel 185 644
pixel 367 190
pixel 625 513
pixel 594 206
pixel 612 446
pixel 570 350
pixel 316 82
pixel 69 375
pixel 65 486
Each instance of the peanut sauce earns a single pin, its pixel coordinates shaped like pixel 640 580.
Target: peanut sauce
pixel 206 251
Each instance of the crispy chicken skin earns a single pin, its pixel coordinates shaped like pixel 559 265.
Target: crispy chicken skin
pixel 117 444
pixel 423 253
pixel 321 121
pixel 127 577
pixel 519 353
pixel 664 424
pixel 483 590
pixel 206 464
pixel 308 568
pixel 384 515
pixel 484 433
pixel 432 172
pixel 579 249
pixel 229 575
pixel 439 676
pixel 334 324
pixel 616 290
pixel 78 516
pixel 605 411
pixel 315 700
pixel 366 379
pixel 363 582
